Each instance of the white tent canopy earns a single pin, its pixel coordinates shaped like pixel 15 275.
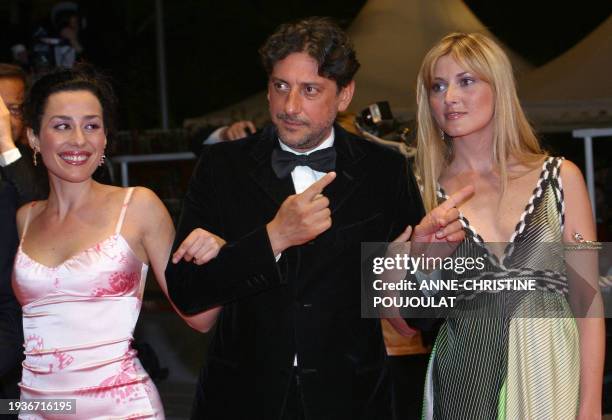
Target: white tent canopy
pixel 392 36
pixel 573 90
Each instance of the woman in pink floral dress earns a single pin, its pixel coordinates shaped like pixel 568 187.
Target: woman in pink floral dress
pixel 81 265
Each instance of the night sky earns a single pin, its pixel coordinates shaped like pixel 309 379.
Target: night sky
pixel 211 46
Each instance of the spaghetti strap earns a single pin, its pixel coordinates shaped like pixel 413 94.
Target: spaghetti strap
pixel 27 222
pixel 126 201
pixel 557 187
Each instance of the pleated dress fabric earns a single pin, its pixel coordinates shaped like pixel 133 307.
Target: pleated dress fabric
pixel 511 355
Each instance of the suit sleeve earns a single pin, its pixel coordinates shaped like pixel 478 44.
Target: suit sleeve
pixel 409 209
pixel 24 177
pixel 196 143
pixel 11 337
pixel 243 267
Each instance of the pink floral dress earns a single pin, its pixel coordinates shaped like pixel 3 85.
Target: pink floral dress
pixel 78 323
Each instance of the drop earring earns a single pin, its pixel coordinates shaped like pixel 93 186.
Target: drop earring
pixel 103 157
pixel 34 156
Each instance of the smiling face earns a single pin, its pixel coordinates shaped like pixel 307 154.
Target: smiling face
pixel 461 102
pixel 304 105
pixel 72 136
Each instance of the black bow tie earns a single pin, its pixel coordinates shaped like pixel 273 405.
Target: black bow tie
pixel 284 162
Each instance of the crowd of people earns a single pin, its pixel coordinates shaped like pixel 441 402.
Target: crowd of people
pixel 268 248
pixel 55 42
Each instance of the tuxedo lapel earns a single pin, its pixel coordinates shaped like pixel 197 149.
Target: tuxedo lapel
pixel 261 172
pixel 349 169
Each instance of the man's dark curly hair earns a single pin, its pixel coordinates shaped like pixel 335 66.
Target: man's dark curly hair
pixel 319 37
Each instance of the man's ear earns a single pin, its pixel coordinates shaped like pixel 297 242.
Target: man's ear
pixel 346 96
pixel 33 139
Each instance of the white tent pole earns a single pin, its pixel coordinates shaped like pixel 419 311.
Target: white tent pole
pixel 590 171
pixel 161 63
pixel 587 134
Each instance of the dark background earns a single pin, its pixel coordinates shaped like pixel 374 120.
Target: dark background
pixel 212 62
pixel 211 46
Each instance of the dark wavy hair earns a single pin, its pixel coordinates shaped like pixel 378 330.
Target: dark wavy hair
pixel 80 77
pixel 319 37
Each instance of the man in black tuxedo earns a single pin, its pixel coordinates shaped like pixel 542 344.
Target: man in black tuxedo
pixel 18 184
pixel 290 342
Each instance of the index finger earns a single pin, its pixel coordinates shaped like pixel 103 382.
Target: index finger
pixel 317 188
pixel 405 235
pixel 183 247
pixel 179 253
pixel 3 105
pixel 458 197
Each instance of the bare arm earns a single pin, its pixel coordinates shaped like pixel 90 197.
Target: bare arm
pixel 579 219
pixel 157 238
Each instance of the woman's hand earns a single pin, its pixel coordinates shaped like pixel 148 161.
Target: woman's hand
pixel 200 246
pixel 441 226
pixel 402 327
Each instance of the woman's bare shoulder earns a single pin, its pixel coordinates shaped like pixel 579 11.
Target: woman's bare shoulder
pixel 31 210
pixel 147 207
pixel 140 196
pixel 571 171
pixel 518 168
pixel 143 196
pixel 572 180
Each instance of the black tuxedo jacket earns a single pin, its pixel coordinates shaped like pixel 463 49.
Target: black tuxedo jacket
pixel 306 304
pixel 19 184
pixel 198 137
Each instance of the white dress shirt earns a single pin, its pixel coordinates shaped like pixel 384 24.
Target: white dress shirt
pixel 10 156
pixel 215 136
pixel 303 177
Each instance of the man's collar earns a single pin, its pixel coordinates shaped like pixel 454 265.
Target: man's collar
pixel 328 142
pixel 348 150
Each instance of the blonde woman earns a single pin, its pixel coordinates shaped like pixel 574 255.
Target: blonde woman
pixel 472 131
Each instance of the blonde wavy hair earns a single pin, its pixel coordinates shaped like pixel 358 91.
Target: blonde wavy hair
pixel 513 135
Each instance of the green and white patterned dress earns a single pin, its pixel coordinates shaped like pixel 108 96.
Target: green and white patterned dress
pixel 521 363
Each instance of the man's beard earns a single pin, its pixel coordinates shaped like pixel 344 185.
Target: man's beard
pixel 312 139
